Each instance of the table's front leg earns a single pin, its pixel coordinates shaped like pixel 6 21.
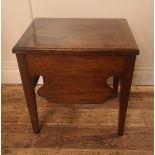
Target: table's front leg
pixel 29 91
pixel 125 82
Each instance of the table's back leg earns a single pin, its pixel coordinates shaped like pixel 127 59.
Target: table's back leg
pixel 35 80
pixel 125 82
pixel 115 85
pixel 29 91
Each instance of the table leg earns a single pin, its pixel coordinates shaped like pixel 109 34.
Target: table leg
pixel 115 85
pixel 29 91
pixel 126 81
pixel 35 80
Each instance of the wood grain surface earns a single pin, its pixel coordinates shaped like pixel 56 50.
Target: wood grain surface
pixel 84 36
pixel 75 79
pixel 77 129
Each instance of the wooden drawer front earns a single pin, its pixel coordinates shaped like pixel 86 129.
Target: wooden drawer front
pixel 75 79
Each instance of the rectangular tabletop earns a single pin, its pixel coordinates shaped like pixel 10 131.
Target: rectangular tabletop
pixel 86 36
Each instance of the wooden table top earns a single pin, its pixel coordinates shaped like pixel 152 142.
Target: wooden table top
pixel 86 36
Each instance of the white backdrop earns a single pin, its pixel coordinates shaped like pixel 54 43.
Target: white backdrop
pixel 17 15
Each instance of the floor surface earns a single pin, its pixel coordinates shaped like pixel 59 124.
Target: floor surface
pixel 79 129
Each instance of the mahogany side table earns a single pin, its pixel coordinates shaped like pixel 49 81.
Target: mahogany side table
pixel 75 57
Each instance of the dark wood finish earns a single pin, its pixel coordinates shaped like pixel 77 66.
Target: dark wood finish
pixel 75 79
pixel 126 81
pixel 77 36
pixel 115 85
pixel 35 80
pixel 75 58
pixel 29 91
